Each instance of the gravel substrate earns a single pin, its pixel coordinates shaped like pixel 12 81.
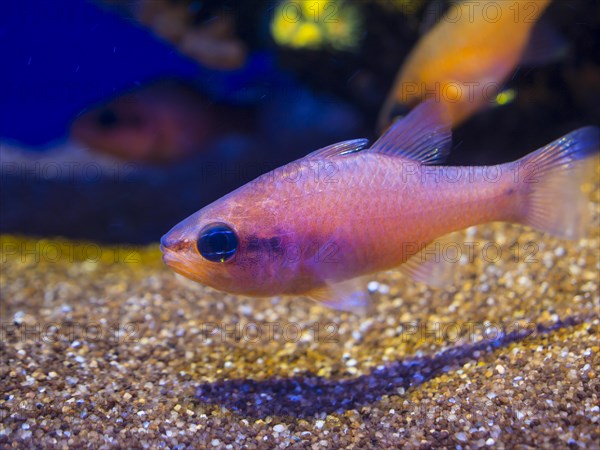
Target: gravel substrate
pixel 105 347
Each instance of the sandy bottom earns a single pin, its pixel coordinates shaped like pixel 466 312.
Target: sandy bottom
pixel 104 346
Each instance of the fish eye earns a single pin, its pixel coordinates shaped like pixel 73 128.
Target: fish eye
pixel 107 118
pixel 217 242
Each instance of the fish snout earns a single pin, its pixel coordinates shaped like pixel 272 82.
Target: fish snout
pixel 166 242
pixel 174 251
pixel 171 243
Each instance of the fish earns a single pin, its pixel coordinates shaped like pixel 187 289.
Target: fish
pixel 318 226
pixel 465 59
pixel 159 123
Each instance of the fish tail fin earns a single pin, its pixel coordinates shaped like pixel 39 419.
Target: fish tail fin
pixel 552 179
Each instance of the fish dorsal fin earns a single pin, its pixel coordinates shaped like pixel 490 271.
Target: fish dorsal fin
pixel 423 135
pixel 340 148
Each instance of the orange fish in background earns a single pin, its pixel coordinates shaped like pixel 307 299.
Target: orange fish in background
pixel 467 56
pixel 315 226
pixel 159 123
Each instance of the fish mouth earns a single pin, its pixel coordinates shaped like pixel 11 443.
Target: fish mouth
pixel 174 259
pixel 169 257
pixel 179 265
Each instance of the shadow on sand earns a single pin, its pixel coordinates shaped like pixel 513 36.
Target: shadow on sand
pixel 308 395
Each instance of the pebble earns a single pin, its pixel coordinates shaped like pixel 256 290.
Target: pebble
pixel 461 437
pixel 279 428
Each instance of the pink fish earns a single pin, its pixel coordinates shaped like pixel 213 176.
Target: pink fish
pixel 315 226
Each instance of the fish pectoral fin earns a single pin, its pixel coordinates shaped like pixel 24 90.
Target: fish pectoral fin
pixel 423 135
pixel 437 263
pixel 351 296
pixel 545 45
pixel 340 149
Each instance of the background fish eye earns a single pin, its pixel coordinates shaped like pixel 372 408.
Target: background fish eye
pixel 217 242
pixel 108 118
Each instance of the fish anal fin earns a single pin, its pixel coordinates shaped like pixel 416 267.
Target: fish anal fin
pixel 435 264
pixel 423 135
pixel 351 296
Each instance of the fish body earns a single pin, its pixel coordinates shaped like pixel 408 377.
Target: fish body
pixel 316 225
pixel 466 57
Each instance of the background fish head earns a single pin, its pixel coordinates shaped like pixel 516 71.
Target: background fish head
pixel 155 124
pixel 120 128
